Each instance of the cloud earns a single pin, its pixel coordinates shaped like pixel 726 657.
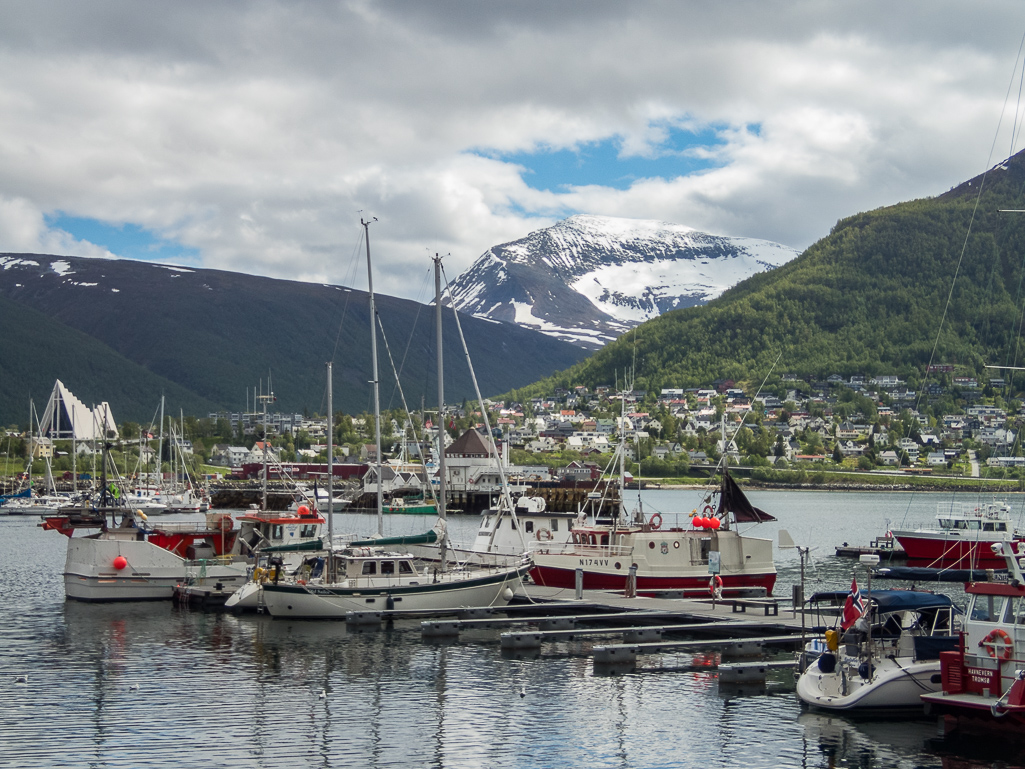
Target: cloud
pixel 254 135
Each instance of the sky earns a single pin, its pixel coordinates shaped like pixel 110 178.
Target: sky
pixel 254 136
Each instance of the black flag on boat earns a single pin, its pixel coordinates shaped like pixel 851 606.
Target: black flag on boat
pixel 732 500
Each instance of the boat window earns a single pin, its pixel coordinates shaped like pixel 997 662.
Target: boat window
pixel 277 531
pixel 605 539
pixel 308 531
pixel 528 527
pixel 553 524
pixel 405 568
pixel 946 523
pixel 988 608
pixel 973 524
pixel 369 567
pixel 987 527
pixel 512 524
pixel 387 567
pixel 1001 527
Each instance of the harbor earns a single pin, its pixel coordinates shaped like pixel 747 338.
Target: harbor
pixel 145 680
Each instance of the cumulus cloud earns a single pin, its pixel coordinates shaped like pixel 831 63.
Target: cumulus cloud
pixel 255 134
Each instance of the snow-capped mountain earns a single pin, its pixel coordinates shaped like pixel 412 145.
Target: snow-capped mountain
pixel 588 279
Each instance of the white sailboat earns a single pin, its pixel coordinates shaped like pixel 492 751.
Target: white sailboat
pixel 365 575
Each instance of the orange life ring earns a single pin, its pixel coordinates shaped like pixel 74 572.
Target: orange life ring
pixel 226 523
pixel 998 638
pixel 655 521
pixel 715 584
pixel 543 534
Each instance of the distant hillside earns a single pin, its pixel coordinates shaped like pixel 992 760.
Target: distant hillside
pixel 123 331
pixel 868 299
pixel 590 278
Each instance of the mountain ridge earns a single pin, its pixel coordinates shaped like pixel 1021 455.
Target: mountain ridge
pixel 588 279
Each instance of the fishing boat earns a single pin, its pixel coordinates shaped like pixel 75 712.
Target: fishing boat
pixel 883 656
pixel 983 681
pixel 962 537
pixel 709 555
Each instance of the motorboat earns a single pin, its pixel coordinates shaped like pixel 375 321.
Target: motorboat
pixel 886 659
pixel 962 536
pixel 983 680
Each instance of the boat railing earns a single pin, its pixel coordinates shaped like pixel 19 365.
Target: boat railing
pixel 583 550
pixel 969 510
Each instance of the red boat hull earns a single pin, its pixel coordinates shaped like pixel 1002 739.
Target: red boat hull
pixel 694 586
pixel 950 553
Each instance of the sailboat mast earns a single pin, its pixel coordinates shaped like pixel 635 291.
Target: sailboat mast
pixel 376 382
pixel 442 490
pixel 330 473
pixel 160 445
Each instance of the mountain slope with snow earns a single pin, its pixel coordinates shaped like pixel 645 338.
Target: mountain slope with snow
pixel 588 279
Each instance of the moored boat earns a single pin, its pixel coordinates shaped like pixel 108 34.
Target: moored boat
pixel 710 555
pixel 961 538
pixel 884 656
pixel 984 679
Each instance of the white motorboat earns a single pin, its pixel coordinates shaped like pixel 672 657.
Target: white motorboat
pixel 886 660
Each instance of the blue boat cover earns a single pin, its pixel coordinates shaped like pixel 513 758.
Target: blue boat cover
pixel 891 600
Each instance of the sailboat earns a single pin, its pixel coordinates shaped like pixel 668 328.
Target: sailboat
pixel 368 574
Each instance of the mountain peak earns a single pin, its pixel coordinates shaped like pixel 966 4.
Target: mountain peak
pixel 588 279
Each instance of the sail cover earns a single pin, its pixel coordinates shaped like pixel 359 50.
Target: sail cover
pixel 732 500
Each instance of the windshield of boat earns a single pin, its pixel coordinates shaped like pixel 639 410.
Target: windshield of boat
pixel 987 608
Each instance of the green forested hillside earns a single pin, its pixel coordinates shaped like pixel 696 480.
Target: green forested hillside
pixel 868 299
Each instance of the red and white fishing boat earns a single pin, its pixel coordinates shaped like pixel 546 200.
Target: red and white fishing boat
pixel 962 538
pixel 709 555
pixel 984 681
pixel 125 560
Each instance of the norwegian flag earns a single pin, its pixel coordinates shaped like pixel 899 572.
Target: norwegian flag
pixel 429 424
pixel 853 607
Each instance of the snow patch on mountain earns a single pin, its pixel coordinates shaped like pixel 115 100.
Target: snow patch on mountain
pixel 589 279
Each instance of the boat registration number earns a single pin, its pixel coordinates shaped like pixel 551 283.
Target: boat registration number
pixel 594 561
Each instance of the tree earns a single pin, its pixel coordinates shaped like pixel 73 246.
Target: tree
pixel 837 454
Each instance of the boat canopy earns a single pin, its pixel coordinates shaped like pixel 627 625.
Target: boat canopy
pixel 891 600
pixel 732 500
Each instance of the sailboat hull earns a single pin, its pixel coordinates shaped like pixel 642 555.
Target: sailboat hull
pixel 312 601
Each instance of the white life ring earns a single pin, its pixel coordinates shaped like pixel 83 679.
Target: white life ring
pixel 543 534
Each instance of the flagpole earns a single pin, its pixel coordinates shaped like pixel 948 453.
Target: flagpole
pixel 870 560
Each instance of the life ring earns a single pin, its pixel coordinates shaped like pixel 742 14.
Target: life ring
pixel 226 523
pixel 543 534
pixel 715 585
pixel 655 521
pixel 708 510
pixel 998 644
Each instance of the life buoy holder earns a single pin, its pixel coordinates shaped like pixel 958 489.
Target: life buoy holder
pixel 715 585
pixel 655 522
pixel 543 534
pixel 998 644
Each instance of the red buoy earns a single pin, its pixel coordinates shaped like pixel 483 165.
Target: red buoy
pixel 120 562
pixel 303 510
pixel 714 523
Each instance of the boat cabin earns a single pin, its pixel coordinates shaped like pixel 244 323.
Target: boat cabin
pixel 262 531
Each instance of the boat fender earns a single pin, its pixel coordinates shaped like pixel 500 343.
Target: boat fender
pixel 543 534
pixel 655 521
pixel 865 670
pixel 708 510
pixel 715 585
pixel 998 638
pixel 832 640
pixel 827 662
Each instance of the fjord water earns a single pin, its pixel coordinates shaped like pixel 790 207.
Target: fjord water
pixel 134 685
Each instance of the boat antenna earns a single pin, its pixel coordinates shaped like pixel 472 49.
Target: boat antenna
pixel 442 488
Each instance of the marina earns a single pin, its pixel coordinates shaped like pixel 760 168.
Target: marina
pixel 149 680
